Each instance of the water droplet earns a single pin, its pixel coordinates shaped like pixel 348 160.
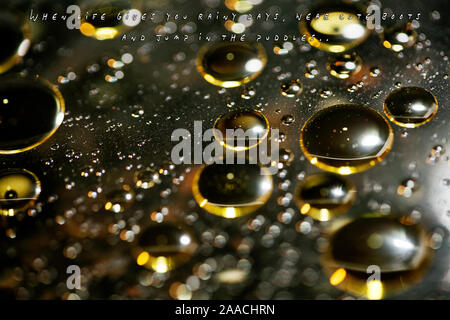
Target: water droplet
pixel 344 65
pixel 248 93
pixel 287 119
pixel 16 39
pixel 282 48
pixel 232 190
pixel 410 107
pixel 230 64
pixel 254 126
pixel 146 179
pixel 375 72
pixel 31 110
pixel 399 37
pixel 346 138
pixel 341 31
pixel 395 249
pixel 324 196
pixel 164 247
pixel 119 200
pixel 19 189
pixel 291 88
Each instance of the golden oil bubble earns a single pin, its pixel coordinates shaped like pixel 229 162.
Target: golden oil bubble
pixel 393 253
pixel 19 189
pixel 241 6
pixel 164 247
pixel 344 65
pixel 398 38
pixel 231 64
pixel 31 110
pixel 334 28
pixel 410 107
pixel 16 39
pixel 120 199
pixel 232 190
pixel 324 196
pixel 346 138
pixel 291 88
pixel 113 18
pixel 254 126
pixel 146 179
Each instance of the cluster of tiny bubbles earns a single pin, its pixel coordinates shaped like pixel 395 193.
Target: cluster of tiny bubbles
pixel 334 140
pixel 248 92
pixel 325 93
pixel 286 157
pixel 334 34
pixel 311 69
pixel 232 190
pixel 231 64
pixel 324 196
pixel 19 190
pixel 162 247
pixel 32 109
pixel 344 65
pixel 117 66
pixel 435 154
pixel 410 107
pixel 107 25
pixel 355 86
pixel 16 34
pixel 375 71
pixel 146 178
pixel 400 37
pixel 291 88
pixel 374 238
pixel 407 187
pixel 120 199
pixel 137 111
pixel 253 123
pixel 283 48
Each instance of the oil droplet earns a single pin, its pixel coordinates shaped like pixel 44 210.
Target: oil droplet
pixel 282 48
pixel 110 27
pixel 230 64
pixel 410 107
pixel 254 126
pixel 344 65
pixel 340 31
pixel 119 200
pixel 287 119
pixel 248 93
pixel 346 138
pixel 371 244
pixel 147 178
pixel 291 88
pixel 19 189
pixel 408 187
pixel 232 190
pixel 164 247
pixel 16 39
pixel 31 110
pixel 324 196
pixel 399 37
